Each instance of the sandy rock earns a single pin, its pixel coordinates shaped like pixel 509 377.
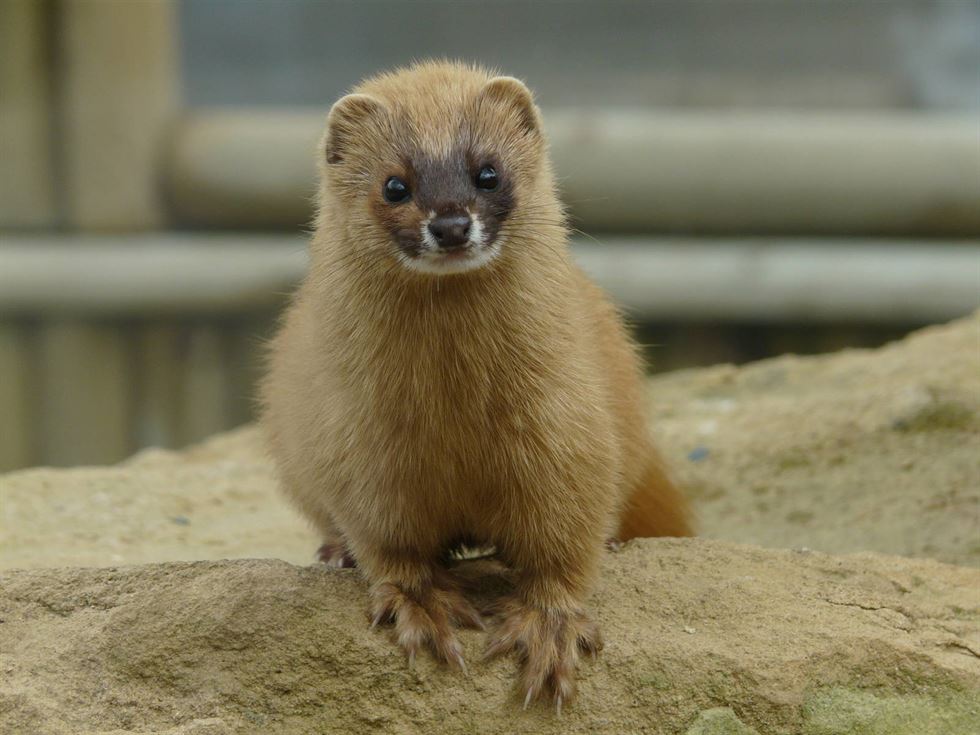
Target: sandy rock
pixel 216 500
pixel 261 646
pixel 861 450
pixel 719 721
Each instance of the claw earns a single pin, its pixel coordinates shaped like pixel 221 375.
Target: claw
pixel 475 621
pixel 377 619
pixel 458 658
pixel 492 651
pixel 558 704
pixel 527 699
pixel 411 660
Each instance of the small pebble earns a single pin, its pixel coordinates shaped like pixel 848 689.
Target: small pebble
pixel 181 520
pixel 697 454
pixel 689 630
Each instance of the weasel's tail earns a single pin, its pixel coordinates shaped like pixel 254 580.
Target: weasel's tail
pixel 656 508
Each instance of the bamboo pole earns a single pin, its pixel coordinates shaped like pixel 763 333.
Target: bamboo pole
pixel 27 181
pixel 633 171
pixel 153 275
pixel 159 373
pixel 85 394
pixel 119 80
pixel 17 397
pixel 203 394
pixel 772 280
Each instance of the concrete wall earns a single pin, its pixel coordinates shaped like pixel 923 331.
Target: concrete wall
pixel 902 54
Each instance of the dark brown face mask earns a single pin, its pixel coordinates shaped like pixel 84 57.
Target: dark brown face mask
pixel 446 204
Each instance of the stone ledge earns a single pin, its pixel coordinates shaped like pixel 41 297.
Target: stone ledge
pixel 791 642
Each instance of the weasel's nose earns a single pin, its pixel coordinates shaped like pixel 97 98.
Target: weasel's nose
pixel 450 230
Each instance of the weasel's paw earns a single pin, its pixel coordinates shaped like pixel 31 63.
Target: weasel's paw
pixel 548 642
pixel 335 554
pixel 425 619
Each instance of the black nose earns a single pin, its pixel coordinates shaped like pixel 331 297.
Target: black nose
pixel 450 230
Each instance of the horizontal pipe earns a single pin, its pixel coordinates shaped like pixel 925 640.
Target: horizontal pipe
pixel 723 172
pixel 761 279
pixel 146 275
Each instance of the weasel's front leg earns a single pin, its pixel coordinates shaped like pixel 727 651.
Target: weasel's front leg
pixel 423 603
pixel 545 621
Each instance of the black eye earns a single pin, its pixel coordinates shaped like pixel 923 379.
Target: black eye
pixel 395 190
pixel 486 178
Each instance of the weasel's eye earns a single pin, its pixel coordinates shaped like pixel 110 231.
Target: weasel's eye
pixel 486 178
pixel 396 190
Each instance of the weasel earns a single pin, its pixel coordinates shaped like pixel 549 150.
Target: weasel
pixel 446 372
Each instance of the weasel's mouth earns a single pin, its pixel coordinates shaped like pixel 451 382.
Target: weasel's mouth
pixel 431 257
pixel 458 260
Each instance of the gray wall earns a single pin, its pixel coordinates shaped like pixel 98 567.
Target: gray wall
pixel 903 54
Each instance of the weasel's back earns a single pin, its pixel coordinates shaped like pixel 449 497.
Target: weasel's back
pixel 652 504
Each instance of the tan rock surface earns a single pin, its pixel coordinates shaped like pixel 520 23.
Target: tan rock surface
pixel 858 450
pixel 780 637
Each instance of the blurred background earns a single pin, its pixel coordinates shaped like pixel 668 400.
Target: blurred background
pixel 747 178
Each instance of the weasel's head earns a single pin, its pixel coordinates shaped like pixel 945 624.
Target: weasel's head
pixel 433 166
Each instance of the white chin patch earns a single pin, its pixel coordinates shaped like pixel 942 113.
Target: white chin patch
pixel 431 259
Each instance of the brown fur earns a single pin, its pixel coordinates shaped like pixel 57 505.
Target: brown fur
pixel 504 405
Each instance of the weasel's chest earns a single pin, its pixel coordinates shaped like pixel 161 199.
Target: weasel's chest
pixel 451 405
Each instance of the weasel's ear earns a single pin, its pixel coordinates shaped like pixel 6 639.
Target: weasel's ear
pixel 345 122
pixel 511 92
